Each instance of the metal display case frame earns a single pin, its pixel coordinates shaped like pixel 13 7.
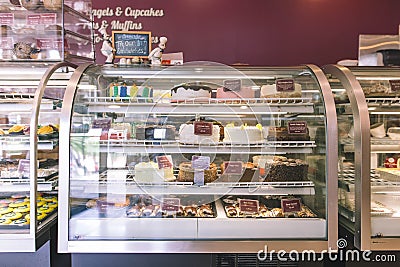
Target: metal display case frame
pixel 36 236
pixel 239 245
pixel 362 226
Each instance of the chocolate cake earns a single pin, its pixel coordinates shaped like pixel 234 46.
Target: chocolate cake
pixel 282 169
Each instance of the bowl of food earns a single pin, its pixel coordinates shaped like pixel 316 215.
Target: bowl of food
pixel 394 133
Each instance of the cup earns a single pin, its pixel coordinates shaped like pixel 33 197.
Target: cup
pixel 378 130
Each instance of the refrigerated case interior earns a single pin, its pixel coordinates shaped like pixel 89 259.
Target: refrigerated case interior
pixel 196 154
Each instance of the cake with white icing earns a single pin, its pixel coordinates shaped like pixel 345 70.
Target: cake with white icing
pixel 184 92
pixel 148 172
pixel 243 134
pixel 187 135
pixel 272 91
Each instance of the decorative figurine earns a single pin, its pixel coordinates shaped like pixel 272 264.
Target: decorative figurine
pixel 106 49
pixel 156 54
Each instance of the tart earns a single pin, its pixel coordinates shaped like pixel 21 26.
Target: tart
pixel 5 210
pixel 18 203
pixel 4 221
pixel 45 209
pixel 25 208
pixel 21 221
pixel 12 216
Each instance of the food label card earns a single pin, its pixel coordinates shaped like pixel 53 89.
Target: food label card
pixel 164 162
pixel 284 85
pixel 33 19
pixel 232 85
pixel 248 205
pixel 6 43
pixel 48 18
pixel 159 133
pixel 24 167
pixel 297 127
pixel 291 205
pixel 199 164
pixel 170 204
pixel 104 125
pixel 6 18
pixel 233 167
pixel 395 85
pixel 203 128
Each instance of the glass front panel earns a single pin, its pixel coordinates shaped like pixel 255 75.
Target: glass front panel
pixel 346 174
pixel 181 152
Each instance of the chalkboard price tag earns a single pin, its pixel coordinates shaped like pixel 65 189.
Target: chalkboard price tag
pixel 285 85
pixel 291 205
pixel 129 44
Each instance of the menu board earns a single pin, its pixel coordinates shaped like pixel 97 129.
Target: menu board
pixel 129 44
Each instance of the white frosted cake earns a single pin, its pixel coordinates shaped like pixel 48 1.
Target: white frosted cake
pixel 187 136
pixel 190 92
pixel 148 172
pixel 270 91
pixel 243 134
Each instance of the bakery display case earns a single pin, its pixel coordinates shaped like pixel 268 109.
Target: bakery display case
pixel 46 31
pixel 367 101
pixel 200 157
pixel 30 106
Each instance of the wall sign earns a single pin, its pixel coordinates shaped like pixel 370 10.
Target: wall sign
pixel 129 44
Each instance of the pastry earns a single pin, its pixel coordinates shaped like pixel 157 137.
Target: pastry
pixel 22 209
pixel 53 5
pixel 30 4
pixel 12 215
pixel 186 173
pixel 18 203
pixel 292 90
pixel 191 92
pixel 244 92
pixel 134 212
pixel 5 210
pixel 21 221
pixel 190 211
pixel 282 134
pixel 16 129
pixel 4 221
pixel 45 209
pixel 15 2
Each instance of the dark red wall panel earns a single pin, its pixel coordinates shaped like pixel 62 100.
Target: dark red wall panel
pixel 263 32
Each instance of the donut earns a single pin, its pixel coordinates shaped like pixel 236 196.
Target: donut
pixel 52 4
pixel 30 4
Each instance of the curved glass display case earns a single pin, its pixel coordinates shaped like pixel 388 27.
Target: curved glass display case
pixel 30 106
pixel 197 158
pixel 367 101
pixel 46 31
